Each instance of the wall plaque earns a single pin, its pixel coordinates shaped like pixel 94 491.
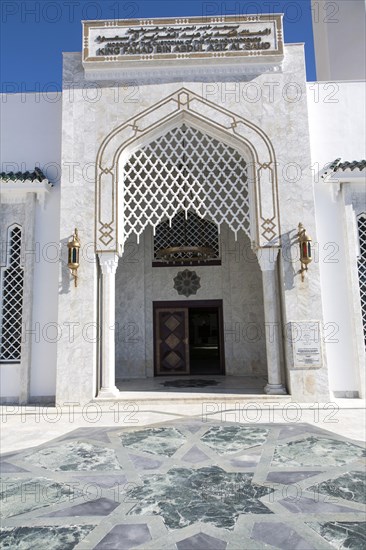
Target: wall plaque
pixel 151 43
pixel 305 338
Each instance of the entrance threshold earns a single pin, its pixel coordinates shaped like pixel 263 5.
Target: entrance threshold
pixel 195 389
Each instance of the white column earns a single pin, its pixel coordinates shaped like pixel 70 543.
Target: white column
pixel 267 261
pixel 28 243
pixel 108 262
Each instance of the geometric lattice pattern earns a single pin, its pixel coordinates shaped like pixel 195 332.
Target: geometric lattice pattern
pixel 12 299
pixel 190 231
pixel 362 266
pixel 185 170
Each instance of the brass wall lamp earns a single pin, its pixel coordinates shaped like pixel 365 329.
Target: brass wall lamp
pixel 305 250
pixel 74 255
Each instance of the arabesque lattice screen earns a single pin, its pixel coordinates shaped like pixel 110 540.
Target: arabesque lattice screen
pixel 362 266
pixel 190 231
pixel 12 278
pixel 185 170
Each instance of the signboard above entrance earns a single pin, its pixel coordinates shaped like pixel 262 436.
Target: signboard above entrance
pixel 161 44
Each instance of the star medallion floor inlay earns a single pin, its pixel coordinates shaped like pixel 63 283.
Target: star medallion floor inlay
pixel 186 485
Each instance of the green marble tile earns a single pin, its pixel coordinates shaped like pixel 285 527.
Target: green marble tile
pixel 342 534
pixel 43 538
pixel 157 441
pixel 184 496
pixel 21 495
pixel 316 451
pixel 232 439
pixel 349 486
pixel 75 456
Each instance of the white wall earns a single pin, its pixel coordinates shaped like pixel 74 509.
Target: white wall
pixel 31 136
pixel 339 38
pixel 337 129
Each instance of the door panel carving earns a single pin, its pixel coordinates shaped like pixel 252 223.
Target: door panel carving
pixel 172 344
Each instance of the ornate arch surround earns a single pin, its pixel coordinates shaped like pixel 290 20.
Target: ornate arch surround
pixel 184 106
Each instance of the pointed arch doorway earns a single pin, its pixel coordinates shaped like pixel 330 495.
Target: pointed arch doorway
pixel 144 200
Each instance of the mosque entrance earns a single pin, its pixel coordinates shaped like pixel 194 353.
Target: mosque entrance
pixel 188 338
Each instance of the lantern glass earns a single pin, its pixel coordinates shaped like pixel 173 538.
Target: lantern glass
pixel 304 250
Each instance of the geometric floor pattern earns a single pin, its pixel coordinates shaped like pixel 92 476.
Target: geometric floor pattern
pixel 186 485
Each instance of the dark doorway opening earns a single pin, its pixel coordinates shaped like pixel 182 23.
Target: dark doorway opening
pixel 204 341
pixel 188 338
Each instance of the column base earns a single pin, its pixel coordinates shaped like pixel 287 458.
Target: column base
pixel 108 393
pixel 275 389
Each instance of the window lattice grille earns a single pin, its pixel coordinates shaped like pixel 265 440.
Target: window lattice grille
pixel 193 231
pixel 12 300
pixel 185 170
pixel 362 267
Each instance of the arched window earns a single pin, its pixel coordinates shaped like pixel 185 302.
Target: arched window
pixel 11 306
pixel 361 223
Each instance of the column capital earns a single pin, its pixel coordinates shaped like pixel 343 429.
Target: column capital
pixel 108 262
pixel 267 258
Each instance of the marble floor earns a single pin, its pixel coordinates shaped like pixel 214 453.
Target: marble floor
pixel 186 484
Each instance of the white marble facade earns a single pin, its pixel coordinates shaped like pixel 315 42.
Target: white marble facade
pixel 91 112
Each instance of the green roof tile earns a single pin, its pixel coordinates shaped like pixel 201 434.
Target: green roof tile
pixel 336 166
pixel 36 176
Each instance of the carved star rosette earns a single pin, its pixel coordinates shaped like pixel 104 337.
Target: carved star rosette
pixel 187 283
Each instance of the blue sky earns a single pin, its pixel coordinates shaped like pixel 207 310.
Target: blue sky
pixel 35 33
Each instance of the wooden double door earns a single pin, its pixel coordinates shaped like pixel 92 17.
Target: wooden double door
pixel 188 338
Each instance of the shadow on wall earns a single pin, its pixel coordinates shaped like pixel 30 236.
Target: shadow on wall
pixel 289 240
pixel 66 278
